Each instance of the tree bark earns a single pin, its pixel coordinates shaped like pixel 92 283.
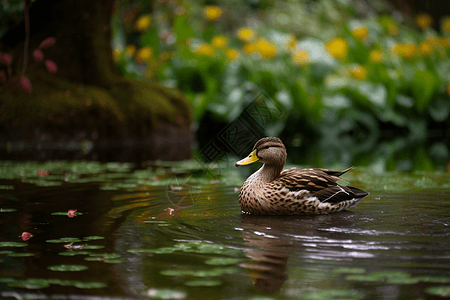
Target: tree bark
pixel 88 93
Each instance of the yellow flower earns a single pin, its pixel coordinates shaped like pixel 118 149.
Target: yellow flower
pixel 446 24
pixel 266 48
pixel 405 50
pixel 376 56
pixel 246 34
pixel 144 54
pixel 444 42
pixel 116 54
pixel 426 47
pixel 219 41
pixel 424 20
pixel 290 42
pixel 338 48
pixel 359 72
pixel 300 57
pixel 130 50
pixel 206 50
pixel 212 13
pixel 250 48
pixel 448 89
pixel 232 54
pixel 360 33
pixel 143 22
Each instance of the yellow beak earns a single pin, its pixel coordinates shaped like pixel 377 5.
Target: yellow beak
pixel 252 158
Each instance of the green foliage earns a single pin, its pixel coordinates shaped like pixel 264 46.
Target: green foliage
pixel 371 68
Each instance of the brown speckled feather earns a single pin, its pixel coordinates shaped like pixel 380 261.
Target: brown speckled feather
pixel 293 191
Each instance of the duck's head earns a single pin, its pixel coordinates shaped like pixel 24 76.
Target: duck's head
pixel 268 150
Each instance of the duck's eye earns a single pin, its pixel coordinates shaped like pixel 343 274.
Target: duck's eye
pixel 266 147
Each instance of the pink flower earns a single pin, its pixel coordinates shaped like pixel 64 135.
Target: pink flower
pixel 38 55
pixel 5 59
pixel 51 66
pixel 42 172
pixel 26 236
pixel 25 84
pixel 72 213
pixel 48 42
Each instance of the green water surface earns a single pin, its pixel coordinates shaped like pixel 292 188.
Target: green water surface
pixel 175 231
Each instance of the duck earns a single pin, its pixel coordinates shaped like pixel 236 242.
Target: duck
pixel 274 191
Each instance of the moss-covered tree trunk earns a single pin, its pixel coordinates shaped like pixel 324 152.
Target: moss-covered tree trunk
pixel 87 98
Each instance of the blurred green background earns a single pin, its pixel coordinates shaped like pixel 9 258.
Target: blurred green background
pixel 359 82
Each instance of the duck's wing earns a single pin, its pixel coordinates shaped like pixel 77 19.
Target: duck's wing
pixel 320 183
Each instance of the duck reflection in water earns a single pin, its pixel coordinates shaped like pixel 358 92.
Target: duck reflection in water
pixel 271 239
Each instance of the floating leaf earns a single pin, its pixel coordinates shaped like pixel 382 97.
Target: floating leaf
pixel 332 294
pixel 443 291
pixel 74 253
pixel 349 270
pixel 105 255
pixel 7 279
pixel 21 254
pixel 435 279
pixel 64 240
pixel 6 252
pixel 70 268
pixel 93 247
pixel 203 282
pixel 90 285
pixel 6 187
pixel 93 238
pixel 141 250
pixel 30 283
pixel 7 210
pixel 222 261
pixel 12 244
pixel 165 294
pixel 64 213
pixel 199 273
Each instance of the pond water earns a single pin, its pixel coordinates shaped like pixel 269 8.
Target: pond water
pixel 175 231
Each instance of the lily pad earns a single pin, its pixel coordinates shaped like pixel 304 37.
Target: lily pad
pixel 222 261
pixel 165 294
pixel 93 238
pixel 141 250
pixel 63 282
pixel 203 282
pixel 7 210
pixel 93 247
pixel 349 270
pixel 7 279
pixel 74 253
pixel 443 291
pixel 64 213
pixel 199 273
pixel 12 244
pixel 30 284
pixel 90 285
pixel 366 278
pixel 435 279
pixel 64 240
pixel 6 187
pixel 6 252
pixel 332 294
pixel 105 255
pixel 21 254
pixel 70 268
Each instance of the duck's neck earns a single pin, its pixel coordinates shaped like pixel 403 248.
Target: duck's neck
pixel 270 172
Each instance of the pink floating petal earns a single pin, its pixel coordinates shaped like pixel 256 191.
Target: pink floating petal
pixel 48 42
pixel 25 84
pixel 72 213
pixel 170 210
pixel 42 172
pixel 26 236
pixel 38 55
pixel 51 66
